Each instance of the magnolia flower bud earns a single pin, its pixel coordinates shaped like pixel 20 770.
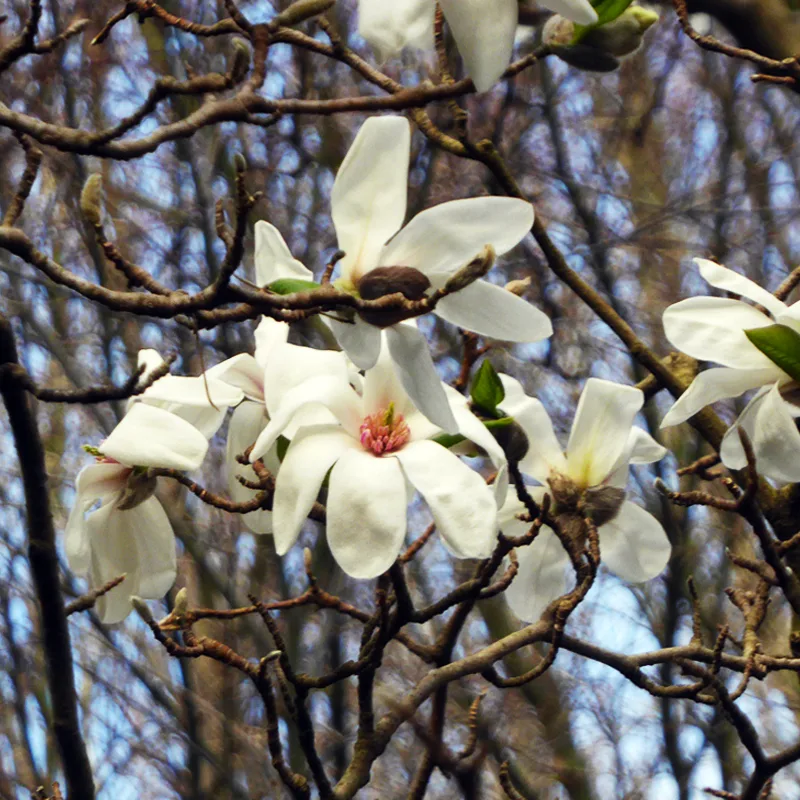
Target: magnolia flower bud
pixel 622 36
pixel 471 272
pixel 240 63
pixel 92 199
pixel 565 492
pixel 518 287
pixel 141 608
pixel 513 439
pixel 181 604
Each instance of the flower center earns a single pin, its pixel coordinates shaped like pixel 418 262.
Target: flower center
pixel 384 432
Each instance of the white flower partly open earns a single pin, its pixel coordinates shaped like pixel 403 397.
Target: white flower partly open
pixel 602 444
pixel 130 532
pixel 484 31
pixel 378 445
pixel 368 207
pixel 712 329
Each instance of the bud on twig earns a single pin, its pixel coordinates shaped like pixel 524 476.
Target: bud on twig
pixel 142 609
pixel 240 63
pixel 518 287
pixel 476 269
pixel 92 199
pixel 181 605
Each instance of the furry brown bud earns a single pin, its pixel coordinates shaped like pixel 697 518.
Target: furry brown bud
pixel 602 503
pixel 513 439
pixel 92 199
pixel 382 281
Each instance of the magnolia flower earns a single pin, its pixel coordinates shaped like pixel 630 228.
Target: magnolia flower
pixel 276 367
pixel 130 532
pixel 484 32
pixel 378 445
pixel 588 480
pixel 368 207
pixel 712 329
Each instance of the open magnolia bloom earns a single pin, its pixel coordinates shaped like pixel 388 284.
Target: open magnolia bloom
pixel 276 367
pixel 378 446
pixel 381 257
pixel 484 31
pixel 130 532
pixel 713 329
pixel 588 480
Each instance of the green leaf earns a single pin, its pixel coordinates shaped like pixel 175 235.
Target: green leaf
pixel 452 439
pixel 487 391
pixel 781 345
pixel 292 285
pixel 607 11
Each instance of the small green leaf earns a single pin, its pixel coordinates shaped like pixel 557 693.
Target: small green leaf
pixel 607 11
pixel 487 390
pixel 292 285
pixel 452 439
pixel 781 345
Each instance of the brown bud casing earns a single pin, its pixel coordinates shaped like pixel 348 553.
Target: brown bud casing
pixel 383 281
pixel 602 503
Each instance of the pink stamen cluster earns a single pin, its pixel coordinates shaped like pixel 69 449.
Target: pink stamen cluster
pixel 384 432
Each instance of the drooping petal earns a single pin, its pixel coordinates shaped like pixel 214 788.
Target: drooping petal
pixel 138 542
pixel 327 391
pixel 730 281
pixel 633 545
pixel 366 513
pixel 312 453
pixel 103 482
pixel 577 10
pixel 389 27
pixel 641 448
pixel 148 436
pixel 485 39
pixel 442 239
pixel 368 200
pixel 247 422
pixel 273 259
pixel 600 430
pixel 416 371
pixel 242 372
pixel 360 340
pixel 544 452
pixel 775 438
pixel 717 383
pixel 462 504
pixel 731 451
pixel 712 329
pixel 269 334
pixel 490 310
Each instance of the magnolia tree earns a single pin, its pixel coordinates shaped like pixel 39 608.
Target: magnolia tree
pixel 337 462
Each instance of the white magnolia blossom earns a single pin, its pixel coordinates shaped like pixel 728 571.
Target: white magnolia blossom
pixel 368 207
pixel 379 445
pixel 712 329
pixel 130 532
pixel 484 32
pixel 602 445
pixel 276 367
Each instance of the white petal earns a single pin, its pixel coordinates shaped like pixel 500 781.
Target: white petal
pixel 712 329
pixel 391 26
pixel 247 422
pixel 148 436
pixel 311 454
pixel 716 384
pixel 463 506
pixel 293 364
pixel 138 542
pixel 442 239
pixel 490 310
pixel 273 259
pixel 542 575
pixel 730 281
pixel 368 200
pixel 485 39
pixel 242 372
pixel 633 545
pixel 544 452
pixel 360 340
pixel 366 513
pixel 775 438
pixel 410 353
pixel 600 430
pixel 326 391
pixel 577 10
pixel 731 451
pixel 382 385
pixel 641 448
pixel 269 334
